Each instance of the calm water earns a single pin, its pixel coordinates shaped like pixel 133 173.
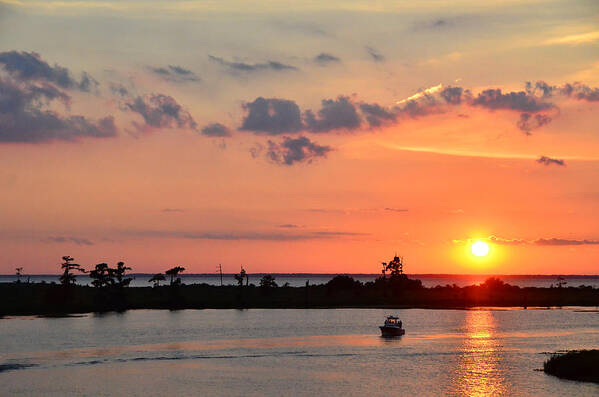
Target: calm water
pixel 293 352
pixel 299 280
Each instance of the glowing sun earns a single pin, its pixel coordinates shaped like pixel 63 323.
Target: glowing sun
pixel 480 248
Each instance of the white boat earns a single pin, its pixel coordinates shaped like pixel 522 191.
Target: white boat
pixel 392 327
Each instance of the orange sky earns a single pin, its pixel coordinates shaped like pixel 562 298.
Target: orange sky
pixel 339 189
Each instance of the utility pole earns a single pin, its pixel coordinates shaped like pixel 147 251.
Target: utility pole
pixel 220 270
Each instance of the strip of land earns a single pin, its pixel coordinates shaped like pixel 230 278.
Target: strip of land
pixel 581 365
pixel 340 292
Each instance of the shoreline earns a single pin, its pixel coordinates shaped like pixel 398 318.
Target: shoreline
pixel 54 299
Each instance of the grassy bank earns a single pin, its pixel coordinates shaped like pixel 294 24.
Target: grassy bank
pixel 582 365
pixel 21 298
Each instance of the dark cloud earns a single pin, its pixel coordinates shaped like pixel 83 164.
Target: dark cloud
pixel 295 150
pixel 520 101
pixel 540 88
pixel 216 130
pixel 272 116
pixel 29 66
pixel 454 95
pixel 561 241
pixel 175 73
pixel 119 89
pixel 23 117
pixel 248 67
pixel 374 54
pixel 288 226
pixel 69 239
pixel 549 161
pixel 161 111
pixel 325 59
pixel 424 106
pixel 581 92
pixel 529 122
pixel 376 115
pixel 334 114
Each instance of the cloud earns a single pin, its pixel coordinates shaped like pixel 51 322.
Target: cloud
pixel 522 101
pixel 173 210
pixel 247 67
pixel 29 66
pixel 161 111
pixel 119 89
pixel 272 116
pixel 561 241
pixel 396 209
pixel 324 59
pixel 374 54
pixel 541 241
pixel 377 115
pixel 422 94
pixel 549 161
pixel 581 92
pixel 69 239
pixel 454 95
pixel 295 150
pixel 175 73
pixel 575 39
pixel 334 114
pixel 24 119
pixel 247 235
pixel 288 226
pixel 529 122
pixel 216 130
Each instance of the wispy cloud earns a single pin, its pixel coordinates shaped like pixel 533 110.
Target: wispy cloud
pixel 574 39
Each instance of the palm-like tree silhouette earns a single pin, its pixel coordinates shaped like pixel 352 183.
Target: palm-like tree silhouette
pixel 174 272
pixel 156 279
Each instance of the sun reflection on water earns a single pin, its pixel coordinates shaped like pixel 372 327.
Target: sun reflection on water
pixel 479 369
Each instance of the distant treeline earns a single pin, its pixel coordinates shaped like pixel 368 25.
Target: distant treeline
pixel 393 289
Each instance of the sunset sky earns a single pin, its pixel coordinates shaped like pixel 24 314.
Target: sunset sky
pixel 322 137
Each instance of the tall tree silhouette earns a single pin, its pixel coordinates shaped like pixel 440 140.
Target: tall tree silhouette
pixel 101 276
pixel 241 276
pixel 174 272
pixel 156 279
pixel 119 272
pixel 395 266
pixel 68 277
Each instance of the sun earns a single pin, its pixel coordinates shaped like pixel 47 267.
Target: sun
pixel 480 248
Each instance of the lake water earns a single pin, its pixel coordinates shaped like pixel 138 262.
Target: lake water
pixel 299 280
pixel 307 352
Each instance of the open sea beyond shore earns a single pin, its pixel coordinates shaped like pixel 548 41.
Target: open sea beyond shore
pixel 299 280
pixel 305 352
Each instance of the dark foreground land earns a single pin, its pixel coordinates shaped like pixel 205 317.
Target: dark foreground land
pixel 582 365
pixel 342 291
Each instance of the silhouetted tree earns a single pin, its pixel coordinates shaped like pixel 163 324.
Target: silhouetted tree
pixel 268 282
pixel 67 277
pixel 174 272
pixel 18 273
pixel 101 276
pixel 119 272
pixel 395 266
pixel 156 279
pixel 241 276
pixel 343 281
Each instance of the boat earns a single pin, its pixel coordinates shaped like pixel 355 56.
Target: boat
pixel 392 327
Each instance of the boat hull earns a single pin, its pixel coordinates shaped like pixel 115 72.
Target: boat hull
pixel 391 331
